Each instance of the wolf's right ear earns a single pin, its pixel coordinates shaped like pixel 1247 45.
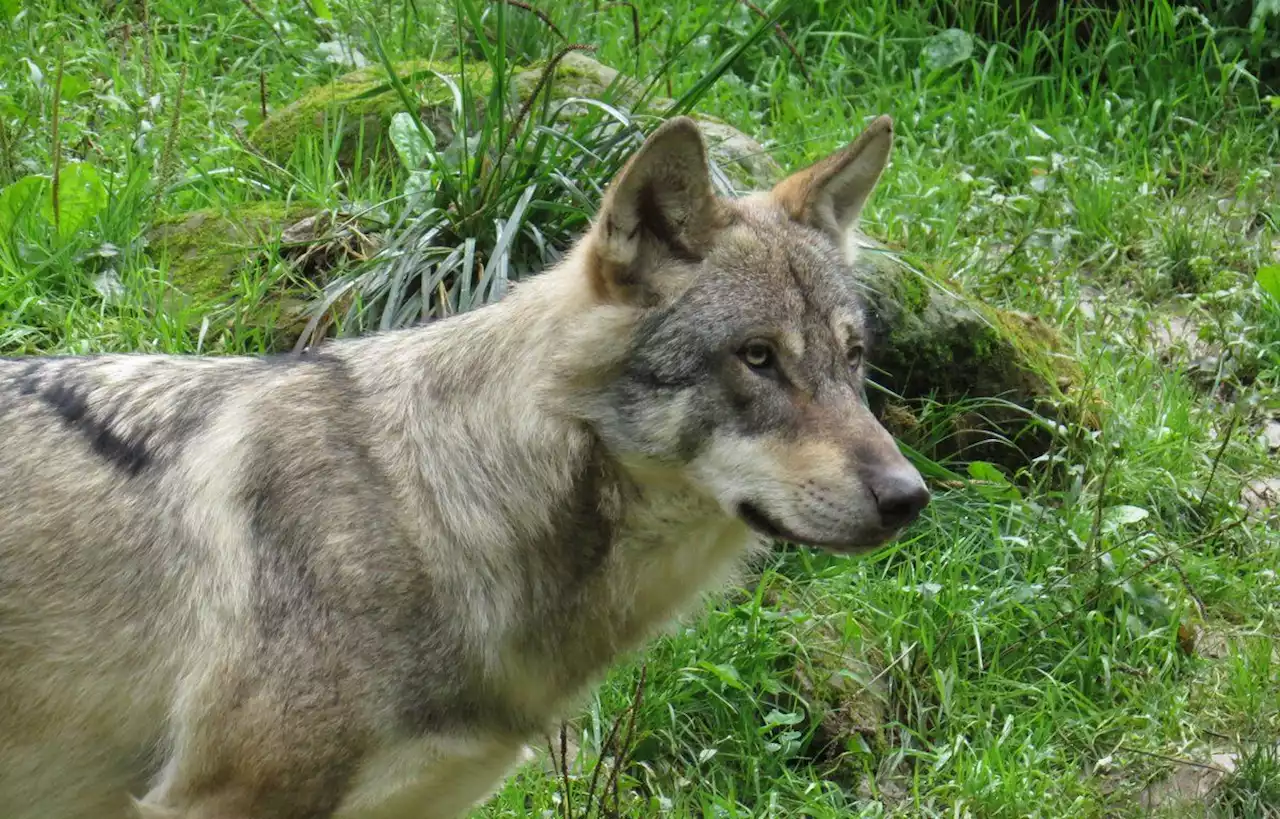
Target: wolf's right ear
pixel 660 207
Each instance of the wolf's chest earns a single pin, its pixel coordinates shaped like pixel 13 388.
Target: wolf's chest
pixel 435 777
pixel 660 572
pixel 657 571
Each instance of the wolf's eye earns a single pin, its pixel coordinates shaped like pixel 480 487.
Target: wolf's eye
pixel 758 355
pixel 855 356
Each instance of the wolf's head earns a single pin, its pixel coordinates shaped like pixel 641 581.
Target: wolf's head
pixel 746 368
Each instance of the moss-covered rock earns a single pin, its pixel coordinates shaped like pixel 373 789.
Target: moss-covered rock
pixel 359 106
pixel 932 341
pixel 260 265
pixel 202 250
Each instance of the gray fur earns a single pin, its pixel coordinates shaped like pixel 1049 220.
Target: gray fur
pixel 355 583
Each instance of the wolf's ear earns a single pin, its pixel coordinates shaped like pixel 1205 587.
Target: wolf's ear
pixel 829 194
pixel 659 207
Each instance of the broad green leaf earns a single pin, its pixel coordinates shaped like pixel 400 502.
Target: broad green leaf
pixel 983 471
pixel 320 8
pixel 1117 516
pixel 991 483
pixel 1269 280
pixel 947 48
pixel 20 198
pixel 73 86
pixel 81 197
pixel 406 99
pixel 10 8
pixel 776 717
pixel 1153 603
pixel 727 674
pixel 409 140
pixel 418 186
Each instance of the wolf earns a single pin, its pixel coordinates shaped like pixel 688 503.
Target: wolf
pixel 360 581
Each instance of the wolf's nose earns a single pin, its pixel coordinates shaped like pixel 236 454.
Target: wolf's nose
pixel 900 496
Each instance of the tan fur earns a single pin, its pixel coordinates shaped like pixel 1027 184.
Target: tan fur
pixel 358 583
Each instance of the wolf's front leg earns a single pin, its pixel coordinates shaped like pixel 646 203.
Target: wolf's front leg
pixel 249 741
pixel 262 746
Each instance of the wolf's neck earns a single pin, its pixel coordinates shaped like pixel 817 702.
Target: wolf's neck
pixel 560 557
pixel 470 418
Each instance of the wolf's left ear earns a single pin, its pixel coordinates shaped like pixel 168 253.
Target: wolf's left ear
pixel 829 194
pixel 660 207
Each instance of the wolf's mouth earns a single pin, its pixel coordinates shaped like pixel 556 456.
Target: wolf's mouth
pixel 755 517
pixel 761 522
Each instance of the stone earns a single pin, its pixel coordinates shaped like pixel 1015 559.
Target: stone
pixel 357 107
pixel 1178 341
pixel 202 249
pixel 1261 499
pixel 1271 435
pixel 839 681
pixel 745 160
pixel 1190 784
pixel 205 251
pixel 932 340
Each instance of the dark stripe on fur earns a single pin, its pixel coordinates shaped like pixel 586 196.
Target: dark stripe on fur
pixel 27 382
pixel 71 406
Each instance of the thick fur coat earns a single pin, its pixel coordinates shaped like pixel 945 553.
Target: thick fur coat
pixel 357 582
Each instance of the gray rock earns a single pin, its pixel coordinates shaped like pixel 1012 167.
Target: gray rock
pixel 1261 499
pixel 1271 435
pixel 1190 784
pixel 932 339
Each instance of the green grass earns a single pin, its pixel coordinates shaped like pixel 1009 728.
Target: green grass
pixel 1019 653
